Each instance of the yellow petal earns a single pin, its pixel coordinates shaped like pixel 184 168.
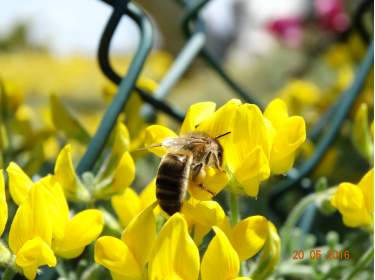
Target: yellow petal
pixel 367 187
pixel 197 113
pixel 276 112
pixel 288 138
pixel 126 205
pixel 221 121
pixel 175 255
pixel 3 204
pixel 32 254
pixel 350 202
pixel 148 195
pixel 249 133
pixel 66 176
pixel 122 139
pixel 124 174
pixel 249 235
pixel 56 204
pixel 255 170
pixel 115 255
pixel 19 183
pixel 213 182
pixel 80 231
pixel 32 219
pixel 156 134
pixel 202 216
pixel 220 262
pixel 140 235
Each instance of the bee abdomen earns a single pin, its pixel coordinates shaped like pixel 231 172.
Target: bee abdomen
pixel 171 181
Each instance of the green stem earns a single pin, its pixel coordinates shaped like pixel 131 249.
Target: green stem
pixel 9 273
pixel 234 208
pixel 363 261
pixel 235 217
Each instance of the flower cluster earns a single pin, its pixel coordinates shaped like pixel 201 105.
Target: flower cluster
pixel 257 145
pixel 173 252
pixel 42 227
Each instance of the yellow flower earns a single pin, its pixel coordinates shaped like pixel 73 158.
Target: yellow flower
pixel 128 204
pixel 66 176
pixel 119 170
pixel 220 261
pixel 356 202
pixel 42 228
pixel 247 237
pixel 201 216
pixel 126 258
pixel 19 183
pixel 175 255
pixel 3 204
pixel 30 235
pixel 289 134
pixel 299 93
pixel 117 175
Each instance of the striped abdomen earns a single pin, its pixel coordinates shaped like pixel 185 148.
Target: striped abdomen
pixel 172 181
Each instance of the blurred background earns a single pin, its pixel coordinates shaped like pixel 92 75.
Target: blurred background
pixel 303 51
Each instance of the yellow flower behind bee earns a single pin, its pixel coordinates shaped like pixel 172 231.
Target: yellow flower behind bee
pixel 356 202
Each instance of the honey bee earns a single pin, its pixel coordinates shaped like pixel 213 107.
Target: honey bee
pixel 185 161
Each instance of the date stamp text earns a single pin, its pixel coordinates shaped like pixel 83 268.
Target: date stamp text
pixel 319 254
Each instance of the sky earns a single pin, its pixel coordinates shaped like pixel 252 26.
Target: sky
pixel 71 26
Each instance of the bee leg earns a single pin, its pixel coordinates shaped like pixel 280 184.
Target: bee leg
pixel 208 158
pixel 207 190
pixel 217 163
pixel 196 170
pixel 197 176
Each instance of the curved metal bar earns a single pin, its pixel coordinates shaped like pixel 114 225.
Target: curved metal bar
pixel 346 103
pixel 107 69
pixel 127 83
pixel 192 15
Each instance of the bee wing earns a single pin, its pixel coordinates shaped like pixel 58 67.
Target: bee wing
pixel 169 143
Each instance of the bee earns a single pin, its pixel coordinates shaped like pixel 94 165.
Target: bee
pixel 185 162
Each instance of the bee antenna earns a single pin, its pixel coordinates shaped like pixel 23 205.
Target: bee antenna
pixel 222 135
pixel 148 147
